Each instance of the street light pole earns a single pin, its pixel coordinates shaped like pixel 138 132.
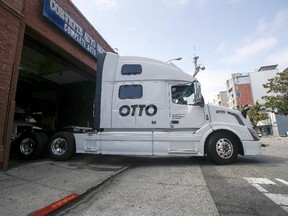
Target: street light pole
pixel 174 59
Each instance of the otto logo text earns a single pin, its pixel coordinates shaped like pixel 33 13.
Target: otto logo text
pixel 149 110
pixel 220 112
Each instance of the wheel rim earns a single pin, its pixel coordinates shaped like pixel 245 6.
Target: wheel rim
pixel 27 146
pixel 59 146
pixel 224 148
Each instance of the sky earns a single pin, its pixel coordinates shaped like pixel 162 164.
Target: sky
pixel 229 36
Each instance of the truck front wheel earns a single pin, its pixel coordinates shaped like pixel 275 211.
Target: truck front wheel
pixel 222 148
pixel 62 146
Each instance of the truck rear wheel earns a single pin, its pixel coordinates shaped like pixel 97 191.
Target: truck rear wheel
pixel 222 148
pixel 32 145
pixel 62 146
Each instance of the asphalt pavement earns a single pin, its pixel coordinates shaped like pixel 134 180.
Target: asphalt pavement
pixel 41 186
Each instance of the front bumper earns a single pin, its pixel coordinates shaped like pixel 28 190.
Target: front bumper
pixel 252 147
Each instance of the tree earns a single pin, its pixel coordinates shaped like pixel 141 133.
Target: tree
pixel 277 103
pixel 257 113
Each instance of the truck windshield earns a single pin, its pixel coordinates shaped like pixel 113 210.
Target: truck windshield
pixel 183 94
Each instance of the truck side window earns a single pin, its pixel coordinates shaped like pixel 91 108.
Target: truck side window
pixel 131 69
pixel 183 94
pixel 130 92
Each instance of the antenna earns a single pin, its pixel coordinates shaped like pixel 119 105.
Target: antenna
pixel 197 67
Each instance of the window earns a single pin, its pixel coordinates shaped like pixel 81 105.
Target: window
pixel 238 94
pixel 131 69
pixel 183 94
pixel 130 92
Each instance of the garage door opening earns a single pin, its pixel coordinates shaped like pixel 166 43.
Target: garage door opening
pixel 52 93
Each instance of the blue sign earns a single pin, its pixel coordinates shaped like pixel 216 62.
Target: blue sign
pixel 56 14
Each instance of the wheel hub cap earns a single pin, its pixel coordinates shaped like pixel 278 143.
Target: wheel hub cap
pixel 224 148
pixel 59 146
pixel 27 146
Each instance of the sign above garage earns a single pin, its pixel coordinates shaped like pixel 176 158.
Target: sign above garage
pixel 56 14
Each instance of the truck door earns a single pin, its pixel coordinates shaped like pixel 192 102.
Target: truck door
pixel 185 109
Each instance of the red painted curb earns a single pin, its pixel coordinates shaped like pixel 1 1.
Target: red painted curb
pixel 54 206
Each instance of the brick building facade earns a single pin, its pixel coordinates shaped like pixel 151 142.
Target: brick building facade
pixel 239 90
pixel 30 41
pixel 243 94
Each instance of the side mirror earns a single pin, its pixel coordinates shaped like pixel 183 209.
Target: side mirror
pixel 198 95
pixel 201 101
pixel 245 111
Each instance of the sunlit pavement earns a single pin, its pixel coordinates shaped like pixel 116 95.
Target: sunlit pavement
pixel 29 186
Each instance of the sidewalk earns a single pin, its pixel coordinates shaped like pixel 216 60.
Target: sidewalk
pixel 34 185
pixel 273 139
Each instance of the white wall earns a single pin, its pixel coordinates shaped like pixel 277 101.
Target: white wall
pixel 257 80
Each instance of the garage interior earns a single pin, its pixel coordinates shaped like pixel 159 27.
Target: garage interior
pixel 52 90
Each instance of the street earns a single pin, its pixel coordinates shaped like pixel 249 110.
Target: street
pixel 234 191
pixel 256 185
pixel 118 185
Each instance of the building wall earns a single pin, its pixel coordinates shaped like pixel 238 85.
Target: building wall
pixel 11 40
pixel 48 33
pixel 238 90
pixel 26 17
pixel 279 124
pixel 221 99
pixel 259 78
pixel 243 94
pixel 282 125
pixel 248 89
pixel 231 91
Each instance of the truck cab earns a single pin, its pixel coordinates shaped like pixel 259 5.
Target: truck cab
pixel 151 108
pixel 140 93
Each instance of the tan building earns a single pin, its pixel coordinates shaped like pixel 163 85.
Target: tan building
pixel 221 99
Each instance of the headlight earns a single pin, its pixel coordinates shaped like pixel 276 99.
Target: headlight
pixel 254 134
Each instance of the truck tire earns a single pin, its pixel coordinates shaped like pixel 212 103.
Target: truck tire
pixel 62 146
pixel 222 148
pixel 32 145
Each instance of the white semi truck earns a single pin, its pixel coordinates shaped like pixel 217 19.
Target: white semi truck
pixel 146 107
